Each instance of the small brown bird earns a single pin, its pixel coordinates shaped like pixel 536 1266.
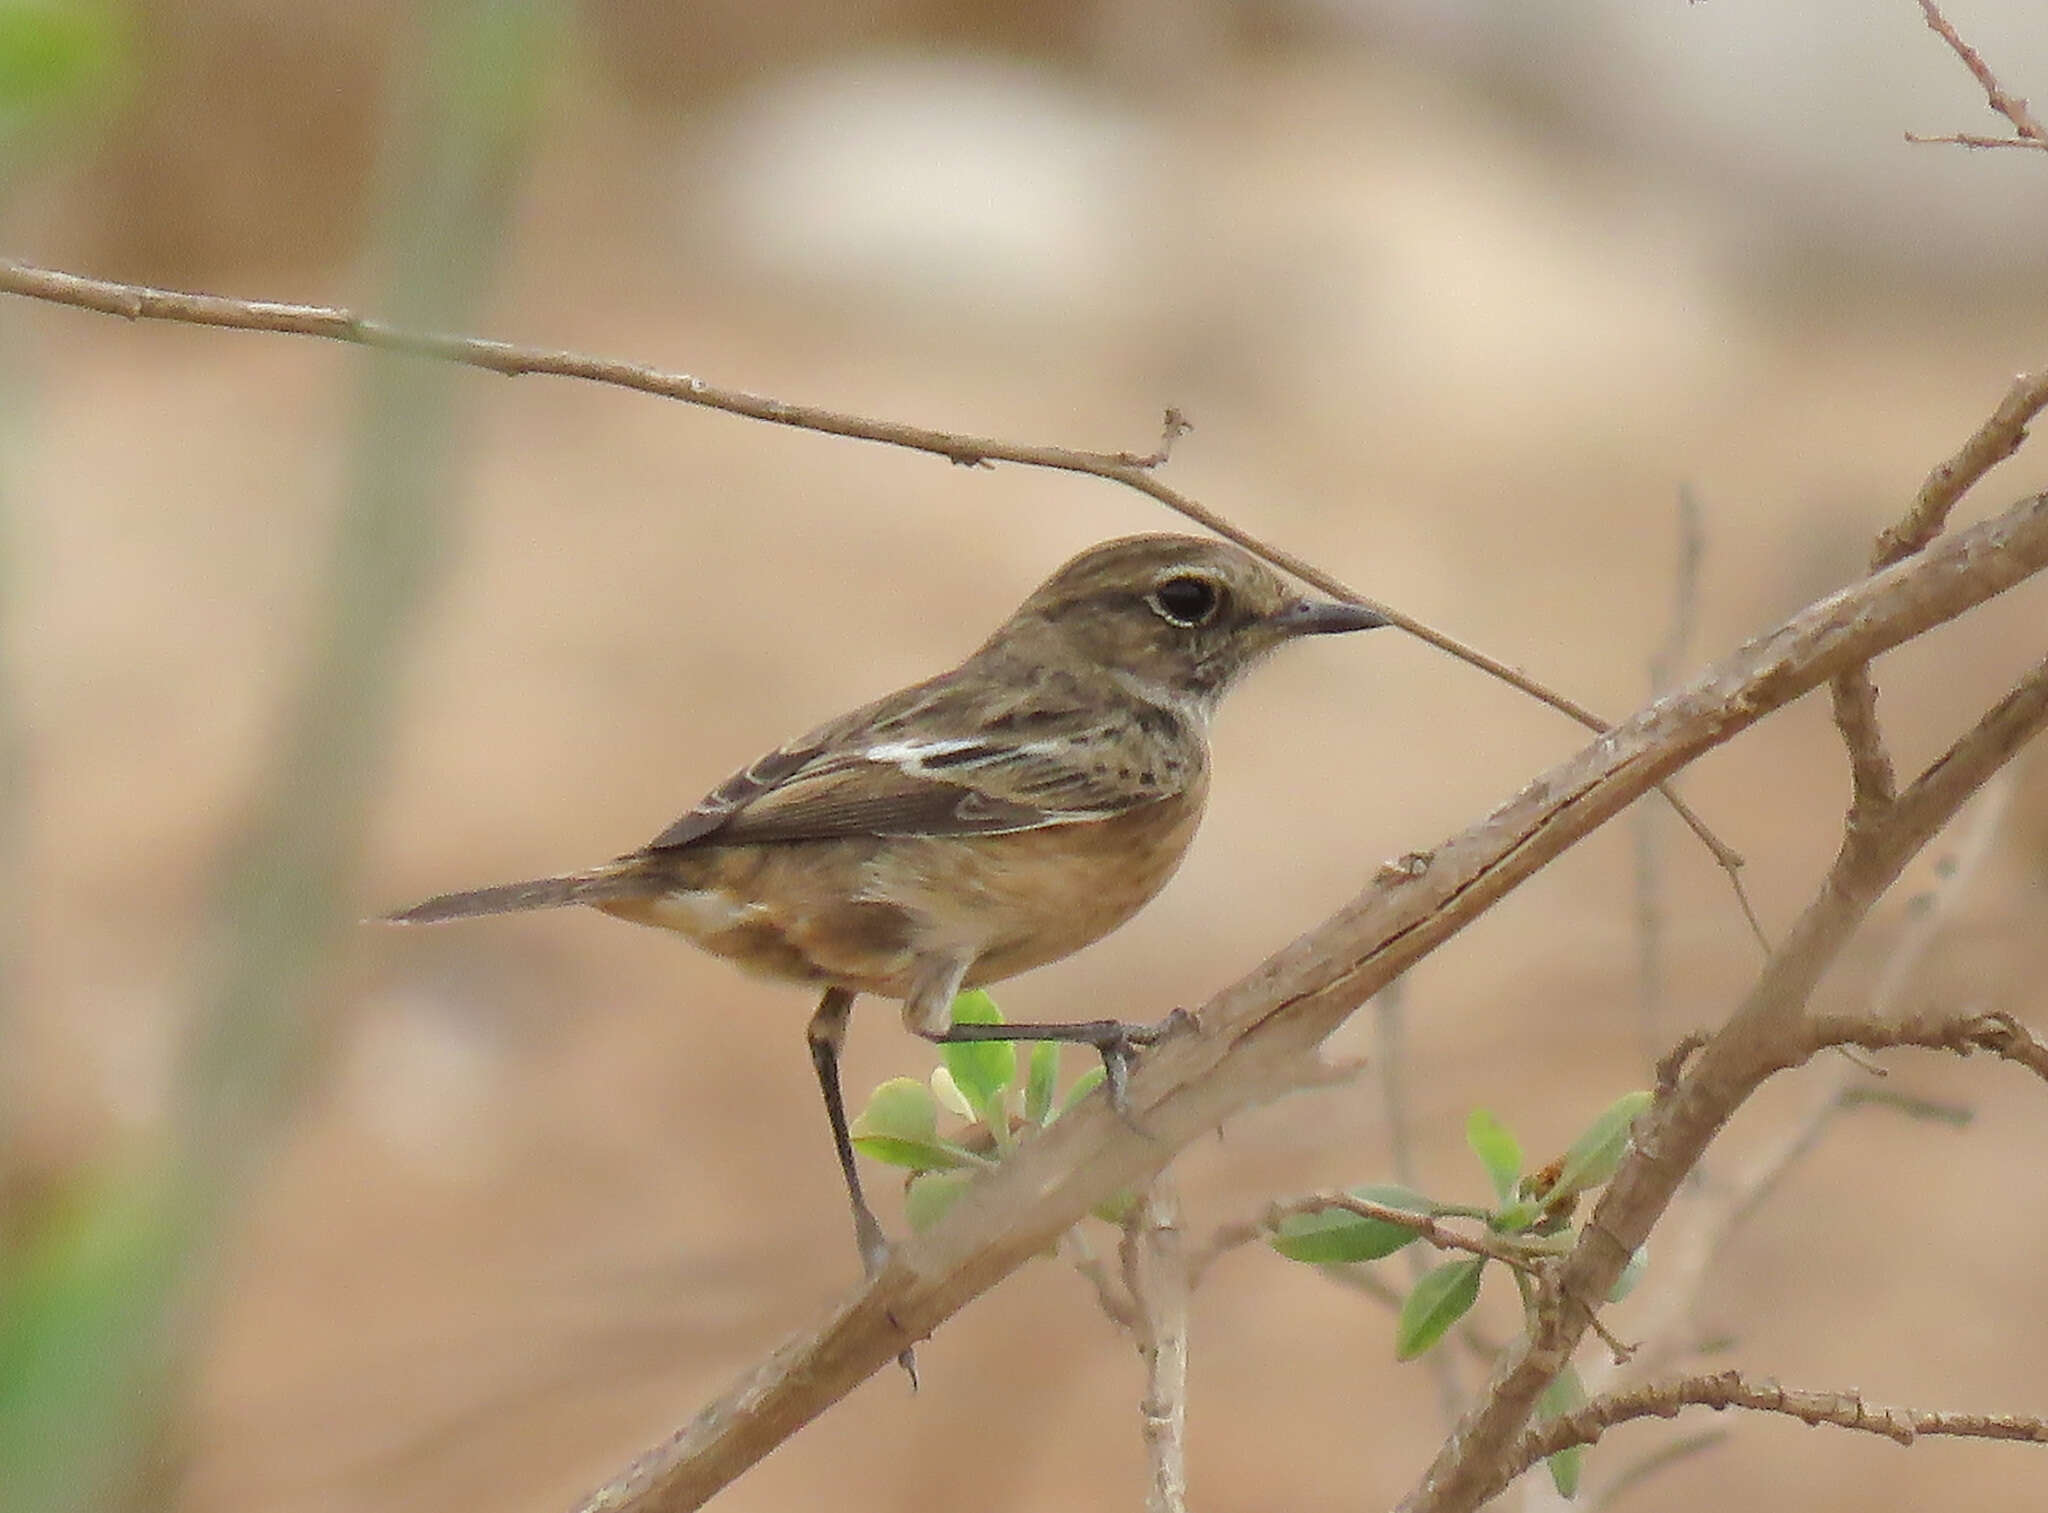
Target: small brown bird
pixel 971 827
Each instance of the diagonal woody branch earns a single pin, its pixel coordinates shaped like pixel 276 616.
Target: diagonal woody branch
pixel 1256 1038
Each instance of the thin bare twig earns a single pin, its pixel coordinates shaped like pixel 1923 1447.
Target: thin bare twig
pixel 1873 786
pixel 140 302
pixel 2000 1034
pixel 1430 1231
pixel 1116 1306
pixel 2027 130
pixel 1990 444
pixel 1730 1389
pixel 1970 139
pixel 1157 1274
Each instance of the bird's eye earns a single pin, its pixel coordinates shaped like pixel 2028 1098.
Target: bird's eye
pixel 1187 601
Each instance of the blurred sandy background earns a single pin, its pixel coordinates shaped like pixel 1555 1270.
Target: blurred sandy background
pixel 1457 296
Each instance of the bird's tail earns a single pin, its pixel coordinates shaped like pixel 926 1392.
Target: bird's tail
pixel 592 887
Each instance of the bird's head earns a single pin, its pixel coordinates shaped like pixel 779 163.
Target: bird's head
pixel 1176 620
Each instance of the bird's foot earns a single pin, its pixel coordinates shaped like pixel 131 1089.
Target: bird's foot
pixel 1118 1044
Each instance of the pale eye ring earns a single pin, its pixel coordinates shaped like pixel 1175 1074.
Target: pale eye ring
pixel 1187 600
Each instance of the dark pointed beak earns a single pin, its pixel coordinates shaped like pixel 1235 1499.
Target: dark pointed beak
pixel 1325 617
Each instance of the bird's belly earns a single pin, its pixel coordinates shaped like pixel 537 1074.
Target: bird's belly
pixel 1018 901
pixel 792 911
pixel 864 914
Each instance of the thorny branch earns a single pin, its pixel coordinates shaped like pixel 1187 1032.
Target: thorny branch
pixel 2000 1034
pixel 1730 1389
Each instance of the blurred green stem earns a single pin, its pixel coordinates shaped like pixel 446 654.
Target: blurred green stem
pixel 461 145
pixel 96 1316
pixel 14 748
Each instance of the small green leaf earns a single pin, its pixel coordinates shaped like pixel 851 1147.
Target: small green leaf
pixel 982 1069
pixel 1114 1208
pixel 1042 1081
pixel 1497 1149
pixel 1336 1236
pixel 1084 1084
pixel 1566 1467
pixel 931 1195
pixel 976 1006
pixel 917 1156
pixel 900 1109
pixel 1565 1394
pixel 1439 1300
pixel 1596 1153
pixel 900 1126
pixel 1515 1217
pixel 1631 1274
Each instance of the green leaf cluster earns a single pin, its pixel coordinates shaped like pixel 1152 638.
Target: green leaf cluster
pixel 995 1093
pixel 1530 1212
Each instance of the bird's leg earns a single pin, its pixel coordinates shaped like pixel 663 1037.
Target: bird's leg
pixel 928 1011
pixel 827 1033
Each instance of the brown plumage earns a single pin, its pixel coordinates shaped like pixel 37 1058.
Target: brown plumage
pixel 992 819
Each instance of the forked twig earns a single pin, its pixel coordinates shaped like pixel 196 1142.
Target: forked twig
pixel 2027 131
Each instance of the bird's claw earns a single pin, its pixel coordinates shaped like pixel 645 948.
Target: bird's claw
pixel 875 1251
pixel 1119 1046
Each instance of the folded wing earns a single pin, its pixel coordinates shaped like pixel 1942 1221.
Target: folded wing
pixel 941 760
